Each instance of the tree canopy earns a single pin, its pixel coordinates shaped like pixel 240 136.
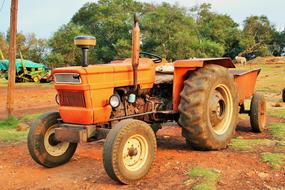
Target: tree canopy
pixel 169 30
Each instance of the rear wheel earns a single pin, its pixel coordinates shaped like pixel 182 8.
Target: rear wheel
pixel 258 113
pixel 129 151
pixel 209 108
pixel 43 147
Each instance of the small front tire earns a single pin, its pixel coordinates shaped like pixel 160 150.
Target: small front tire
pixel 43 147
pixel 258 112
pixel 129 151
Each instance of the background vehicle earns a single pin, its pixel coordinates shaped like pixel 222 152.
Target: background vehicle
pixel 125 102
pixel 26 70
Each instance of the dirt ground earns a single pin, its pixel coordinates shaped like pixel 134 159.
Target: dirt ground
pixel 239 170
pixel 29 98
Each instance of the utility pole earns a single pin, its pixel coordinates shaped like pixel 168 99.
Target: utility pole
pixel 12 57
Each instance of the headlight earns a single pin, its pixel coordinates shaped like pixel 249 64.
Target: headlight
pixel 67 78
pixel 115 101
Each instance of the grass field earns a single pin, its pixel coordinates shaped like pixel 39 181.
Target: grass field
pixel 8 132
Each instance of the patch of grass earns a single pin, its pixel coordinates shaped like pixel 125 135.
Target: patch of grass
pixel 203 178
pixel 277 112
pixel 11 135
pixel 276 160
pixel 8 126
pixel 277 130
pixel 249 144
pixel 29 118
pixel 9 123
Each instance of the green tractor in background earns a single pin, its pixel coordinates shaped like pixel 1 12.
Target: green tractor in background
pixel 26 71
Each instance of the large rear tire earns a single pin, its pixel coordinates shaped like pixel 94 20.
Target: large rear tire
pixel 209 108
pixel 43 147
pixel 129 151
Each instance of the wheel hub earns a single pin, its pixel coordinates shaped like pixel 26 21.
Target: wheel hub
pixel 52 141
pixel 217 108
pixel 132 152
pixel 135 152
pixel 220 109
pixel 52 146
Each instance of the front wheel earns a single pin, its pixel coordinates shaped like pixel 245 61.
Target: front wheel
pixel 42 145
pixel 129 151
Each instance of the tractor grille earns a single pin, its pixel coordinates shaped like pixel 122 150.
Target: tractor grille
pixel 74 99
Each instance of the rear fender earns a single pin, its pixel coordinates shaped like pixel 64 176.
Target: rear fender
pixel 182 67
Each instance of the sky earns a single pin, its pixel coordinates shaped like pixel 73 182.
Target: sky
pixel 45 17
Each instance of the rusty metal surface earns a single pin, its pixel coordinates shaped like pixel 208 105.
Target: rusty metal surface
pixel 135 50
pixel 225 62
pixel 69 134
pixel 246 82
pixel 74 133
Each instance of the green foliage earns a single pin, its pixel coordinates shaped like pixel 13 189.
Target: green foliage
pixel 207 178
pixel 257 35
pixel 29 45
pixel 218 28
pixel 249 144
pixel 171 31
pixel 63 47
pixel 109 21
pixel 55 59
pixel 276 160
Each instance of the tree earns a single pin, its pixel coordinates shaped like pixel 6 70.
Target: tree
pixel 278 42
pixel 62 43
pixel 55 60
pixel 110 22
pixel 168 31
pixel 218 28
pixel 256 36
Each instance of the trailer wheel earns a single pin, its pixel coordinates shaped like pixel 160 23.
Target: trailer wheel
pixel 258 112
pixel 283 95
pixel 43 147
pixel 129 151
pixel 209 108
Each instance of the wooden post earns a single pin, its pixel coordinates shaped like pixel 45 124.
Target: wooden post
pixel 12 57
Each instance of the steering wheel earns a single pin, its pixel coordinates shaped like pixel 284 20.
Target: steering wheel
pixel 157 59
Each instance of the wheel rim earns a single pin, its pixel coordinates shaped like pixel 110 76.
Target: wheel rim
pixel 135 152
pixel 220 109
pixel 262 114
pixel 52 146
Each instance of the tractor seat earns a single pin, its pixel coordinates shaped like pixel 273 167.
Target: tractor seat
pixel 164 73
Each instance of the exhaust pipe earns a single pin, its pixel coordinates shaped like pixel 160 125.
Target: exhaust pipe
pixel 85 42
pixel 135 50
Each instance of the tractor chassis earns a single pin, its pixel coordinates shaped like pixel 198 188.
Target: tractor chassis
pixel 75 133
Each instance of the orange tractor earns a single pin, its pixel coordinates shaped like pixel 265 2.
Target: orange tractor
pixel 127 101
